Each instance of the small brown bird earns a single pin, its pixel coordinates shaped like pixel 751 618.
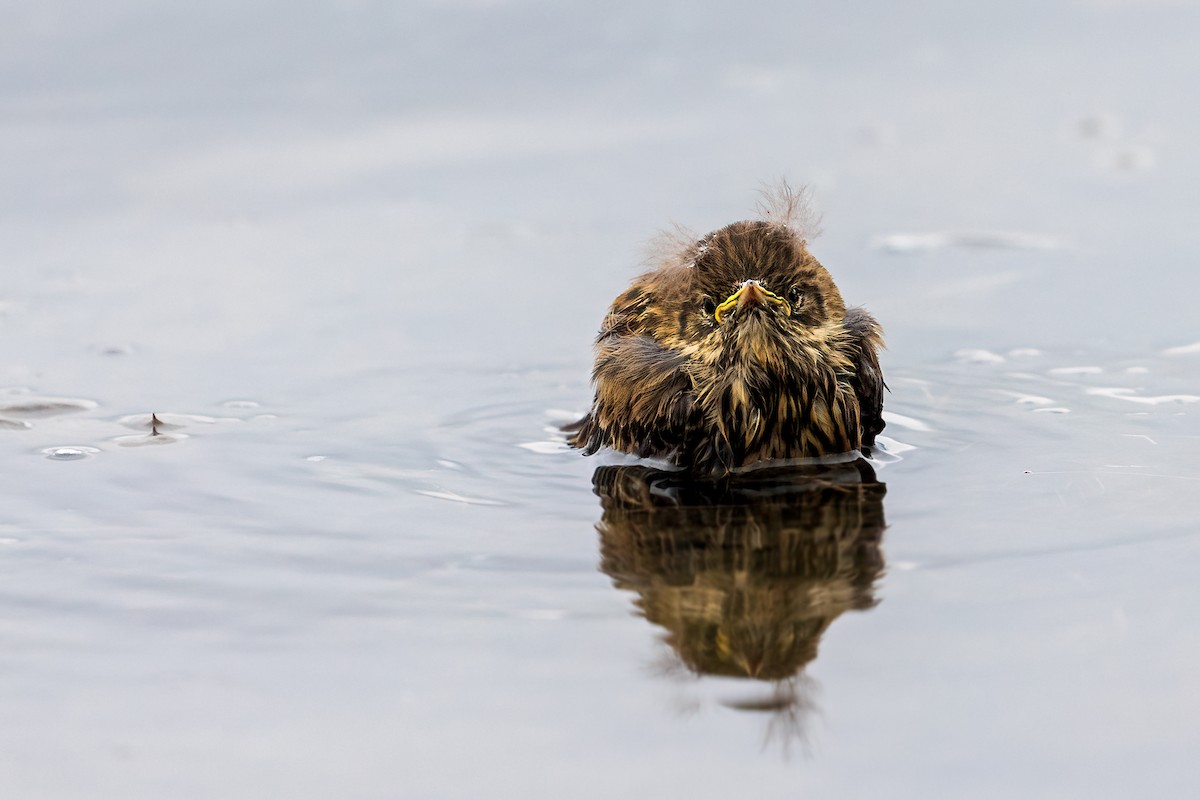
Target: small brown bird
pixel 737 348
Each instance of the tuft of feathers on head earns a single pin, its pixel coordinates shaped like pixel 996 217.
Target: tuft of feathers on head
pixel 676 246
pixel 789 208
pixel 781 205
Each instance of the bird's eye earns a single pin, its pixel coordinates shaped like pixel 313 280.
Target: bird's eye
pixel 794 295
pixel 710 307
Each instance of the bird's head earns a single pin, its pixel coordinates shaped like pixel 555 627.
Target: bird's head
pixel 749 294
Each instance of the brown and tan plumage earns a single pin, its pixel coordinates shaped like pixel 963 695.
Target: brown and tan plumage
pixel 737 348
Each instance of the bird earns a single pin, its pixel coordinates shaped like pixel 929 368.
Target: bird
pixel 736 348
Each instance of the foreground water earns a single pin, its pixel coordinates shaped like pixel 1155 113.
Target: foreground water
pixel 349 555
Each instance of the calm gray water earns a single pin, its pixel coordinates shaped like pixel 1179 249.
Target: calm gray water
pixel 353 255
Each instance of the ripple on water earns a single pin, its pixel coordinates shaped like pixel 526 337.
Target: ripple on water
pixel 1069 371
pixel 160 429
pixel 887 450
pixel 904 421
pixel 1020 398
pixel 1183 350
pixel 546 446
pixel 36 407
pixel 455 497
pixel 164 422
pixel 154 438
pixel 968 239
pixel 1132 396
pixel 975 355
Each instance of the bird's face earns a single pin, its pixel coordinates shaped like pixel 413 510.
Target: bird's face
pixel 749 293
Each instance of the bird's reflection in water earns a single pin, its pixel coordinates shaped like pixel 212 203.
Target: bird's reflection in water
pixel 745 573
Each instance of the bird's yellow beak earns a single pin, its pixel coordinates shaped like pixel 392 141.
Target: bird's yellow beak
pixel 751 293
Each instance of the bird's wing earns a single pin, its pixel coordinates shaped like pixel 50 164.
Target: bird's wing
pixel 866 339
pixel 644 395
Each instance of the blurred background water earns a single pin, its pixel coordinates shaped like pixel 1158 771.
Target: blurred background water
pixel 353 254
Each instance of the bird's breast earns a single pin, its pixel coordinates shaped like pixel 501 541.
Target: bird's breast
pixel 792 416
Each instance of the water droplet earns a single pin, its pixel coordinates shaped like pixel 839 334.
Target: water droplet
pixel 69 453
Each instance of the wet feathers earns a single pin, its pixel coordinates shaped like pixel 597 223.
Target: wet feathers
pixel 736 348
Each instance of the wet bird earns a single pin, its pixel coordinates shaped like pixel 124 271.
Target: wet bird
pixel 736 348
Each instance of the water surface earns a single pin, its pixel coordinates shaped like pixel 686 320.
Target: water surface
pixel 352 257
